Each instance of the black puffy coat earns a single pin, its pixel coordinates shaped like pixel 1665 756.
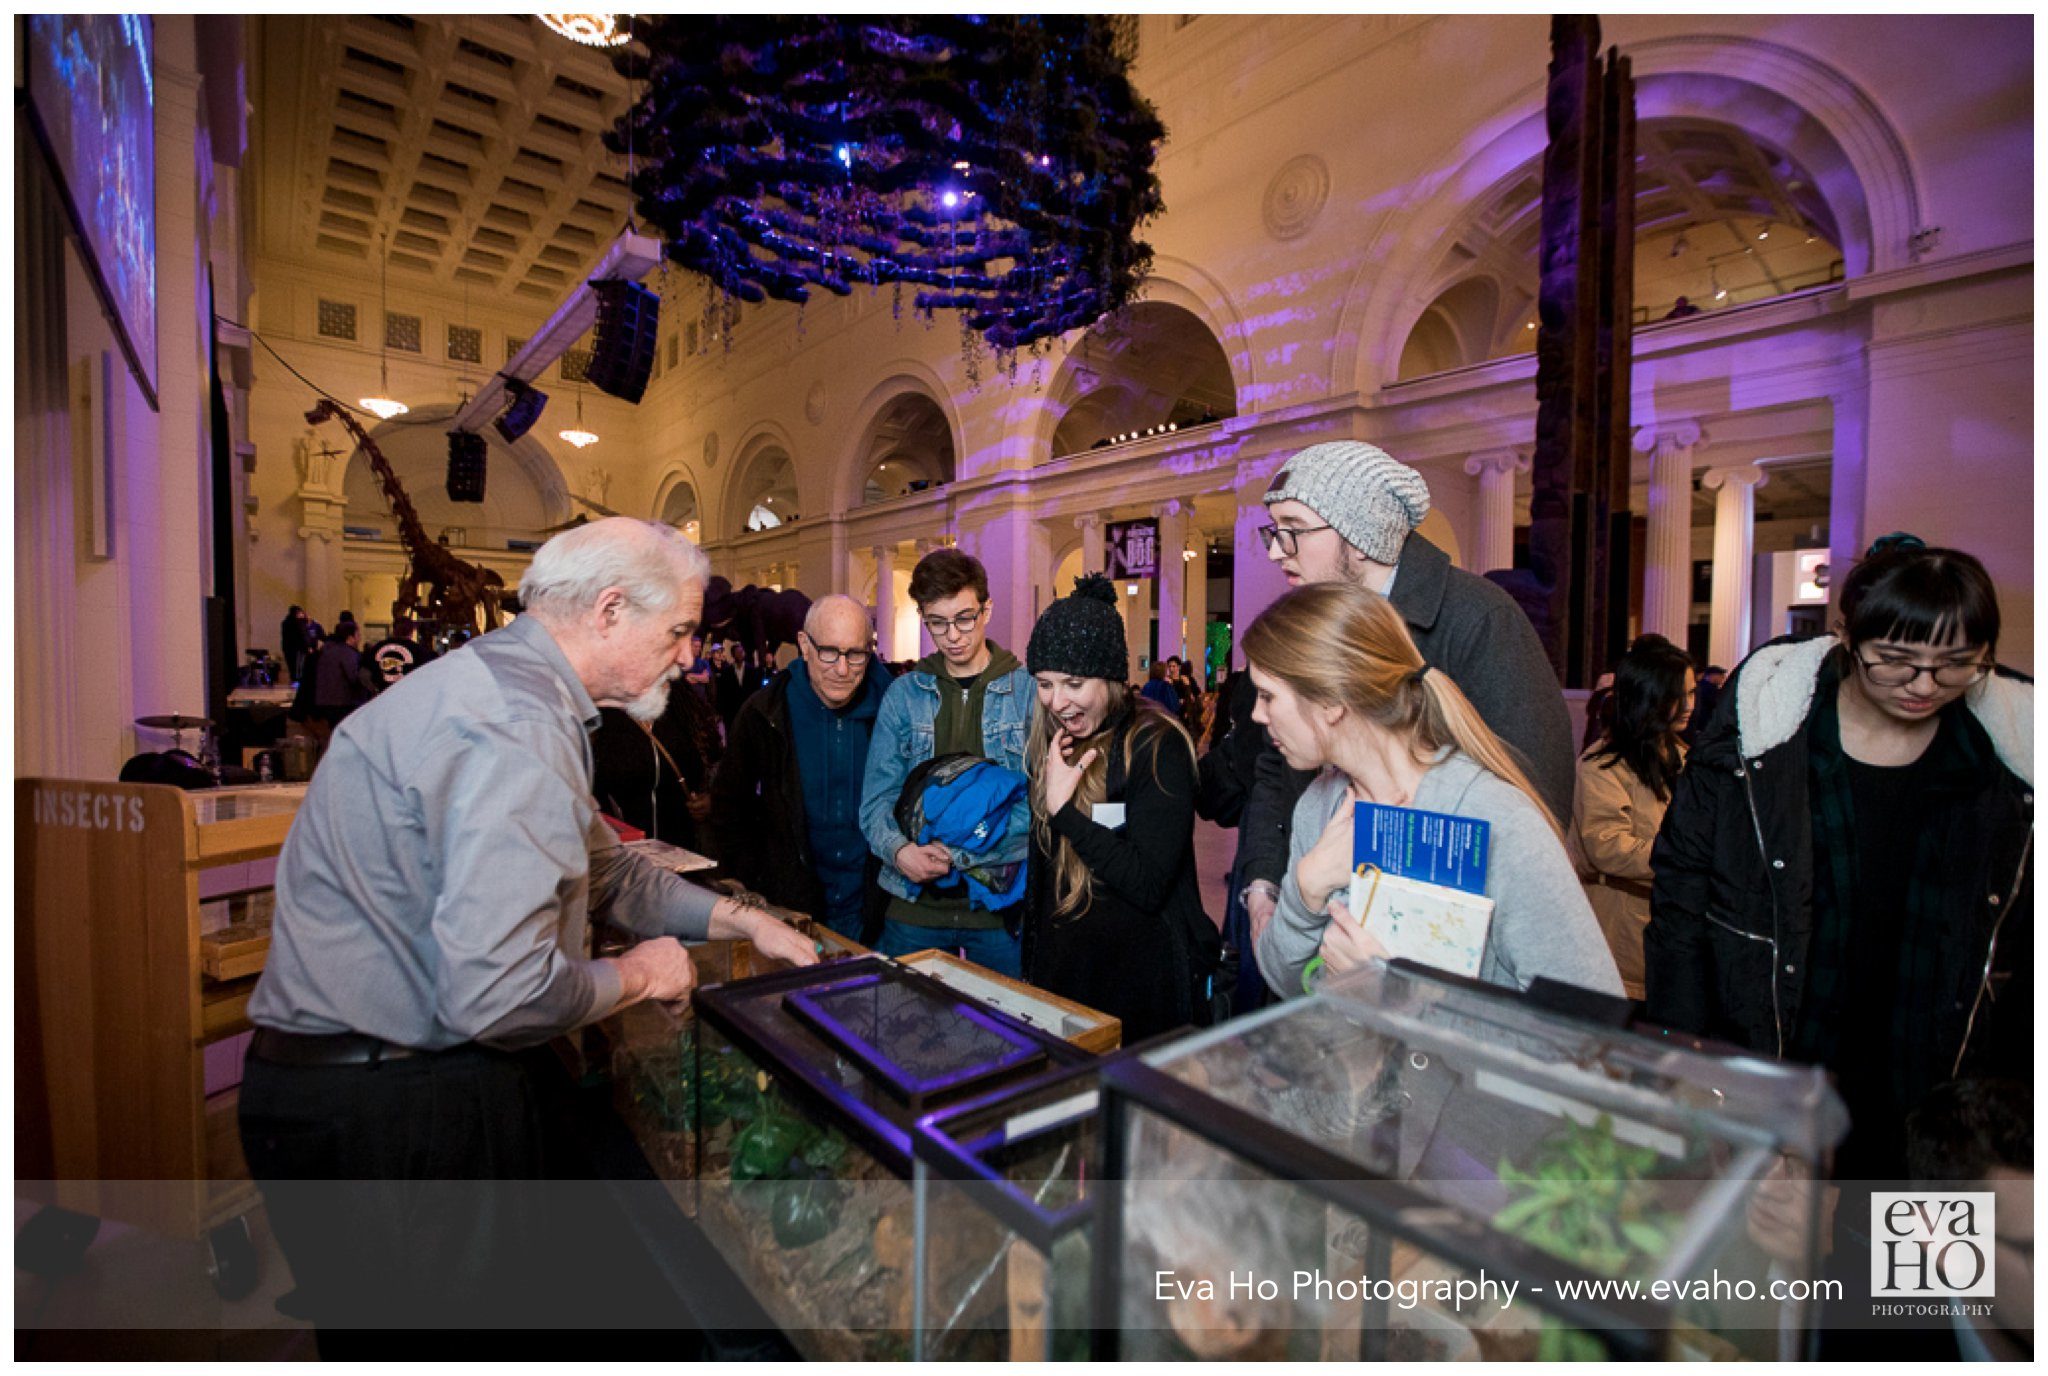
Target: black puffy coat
pixel 1731 912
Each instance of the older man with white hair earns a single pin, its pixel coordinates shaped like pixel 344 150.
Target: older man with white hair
pixel 786 803
pixel 433 907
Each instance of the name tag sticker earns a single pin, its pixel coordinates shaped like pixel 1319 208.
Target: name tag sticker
pixel 1109 815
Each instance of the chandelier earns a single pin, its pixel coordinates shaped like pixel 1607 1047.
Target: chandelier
pixel 591 30
pixel 1001 165
pixel 576 434
pixel 383 406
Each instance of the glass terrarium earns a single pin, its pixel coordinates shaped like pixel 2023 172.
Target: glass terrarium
pixel 1412 1166
pixel 808 1082
pixel 652 1050
pixel 1005 1188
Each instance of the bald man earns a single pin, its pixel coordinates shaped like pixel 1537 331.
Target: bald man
pixel 785 808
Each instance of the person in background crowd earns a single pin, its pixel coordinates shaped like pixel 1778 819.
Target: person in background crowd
pixel 1158 690
pixel 1599 709
pixel 698 675
pixel 292 639
pixel 1844 876
pixel 727 689
pixel 1347 512
pixel 1342 690
pixel 1115 917
pixel 969 695
pixel 786 802
pixel 653 772
pixel 399 653
pixel 1625 784
pixel 1977 1136
pixel 341 681
pixel 1709 696
pixel 431 935
pixel 1228 771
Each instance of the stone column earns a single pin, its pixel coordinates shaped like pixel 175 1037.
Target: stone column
pixel 1092 554
pixel 1197 574
pixel 1173 534
pixel 1734 551
pixel 1137 609
pixel 1667 575
pixel 1256 581
pixel 322 509
pixel 1496 469
pixel 165 478
pixel 885 601
pixel 839 557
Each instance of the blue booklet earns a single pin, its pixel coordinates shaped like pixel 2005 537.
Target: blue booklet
pixel 1432 847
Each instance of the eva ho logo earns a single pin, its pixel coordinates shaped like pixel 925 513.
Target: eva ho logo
pixel 1931 1246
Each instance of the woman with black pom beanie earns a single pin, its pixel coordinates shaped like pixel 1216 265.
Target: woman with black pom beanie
pixel 1114 919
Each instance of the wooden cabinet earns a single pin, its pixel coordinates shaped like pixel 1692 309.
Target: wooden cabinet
pixel 118 992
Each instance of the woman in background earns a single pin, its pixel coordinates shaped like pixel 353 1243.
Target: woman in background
pixel 1625 783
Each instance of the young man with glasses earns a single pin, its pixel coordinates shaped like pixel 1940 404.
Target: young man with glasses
pixel 785 810
pixel 1347 512
pixel 969 695
pixel 1844 877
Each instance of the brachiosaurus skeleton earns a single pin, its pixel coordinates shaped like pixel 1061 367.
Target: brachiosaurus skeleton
pixel 459 593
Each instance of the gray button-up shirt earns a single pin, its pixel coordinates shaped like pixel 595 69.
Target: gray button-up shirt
pixel 438 882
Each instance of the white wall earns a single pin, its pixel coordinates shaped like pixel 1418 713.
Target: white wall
pixel 100 641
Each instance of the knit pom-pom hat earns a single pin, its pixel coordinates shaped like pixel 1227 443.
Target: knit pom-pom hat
pixel 1082 634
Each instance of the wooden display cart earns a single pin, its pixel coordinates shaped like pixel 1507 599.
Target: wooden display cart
pixel 118 993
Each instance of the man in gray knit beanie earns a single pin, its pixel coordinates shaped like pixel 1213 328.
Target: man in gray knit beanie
pixel 1347 511
pixel 1366 500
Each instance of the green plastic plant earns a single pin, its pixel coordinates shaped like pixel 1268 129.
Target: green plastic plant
pixel 1587 1198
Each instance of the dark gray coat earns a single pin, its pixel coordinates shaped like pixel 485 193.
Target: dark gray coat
pixel 1473 631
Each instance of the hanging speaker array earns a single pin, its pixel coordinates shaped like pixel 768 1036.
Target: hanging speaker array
pixel 467 454
pixel 628 319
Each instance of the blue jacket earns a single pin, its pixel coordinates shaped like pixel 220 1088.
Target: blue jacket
pixel 1160 691
pixel 983 817
pixel 905 734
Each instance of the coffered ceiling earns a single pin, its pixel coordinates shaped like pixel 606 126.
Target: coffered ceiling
pixel 469 143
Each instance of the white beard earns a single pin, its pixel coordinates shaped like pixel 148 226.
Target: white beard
pixel 648 707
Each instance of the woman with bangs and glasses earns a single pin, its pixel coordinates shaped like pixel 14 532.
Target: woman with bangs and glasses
pixel 1843 877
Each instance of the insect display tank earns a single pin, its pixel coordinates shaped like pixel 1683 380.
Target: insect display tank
pixel 1338 1177
pixel 807 1085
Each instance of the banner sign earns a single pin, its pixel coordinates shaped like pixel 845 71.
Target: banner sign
pixel 1133 548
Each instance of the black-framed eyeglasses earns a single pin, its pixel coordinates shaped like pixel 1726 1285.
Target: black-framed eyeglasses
pixel 1287 537
pixel 961 624
pixel 1896 673
pixel 832 654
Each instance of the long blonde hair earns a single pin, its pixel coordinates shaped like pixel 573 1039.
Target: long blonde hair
pixel 1072 894
pixel 1338 645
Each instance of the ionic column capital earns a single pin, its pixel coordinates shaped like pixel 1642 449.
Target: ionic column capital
pixel 1497 461
pixel 1684 434
pixel 1737 475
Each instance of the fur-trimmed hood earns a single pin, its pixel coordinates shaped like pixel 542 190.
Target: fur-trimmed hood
pixel 1774 693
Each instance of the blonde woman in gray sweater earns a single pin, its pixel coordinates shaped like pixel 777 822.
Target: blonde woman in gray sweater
pixel 1341 688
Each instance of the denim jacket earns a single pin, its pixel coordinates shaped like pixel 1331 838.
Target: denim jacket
pixel 905 733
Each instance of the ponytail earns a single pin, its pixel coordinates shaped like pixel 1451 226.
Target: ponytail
pixel 1449 716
